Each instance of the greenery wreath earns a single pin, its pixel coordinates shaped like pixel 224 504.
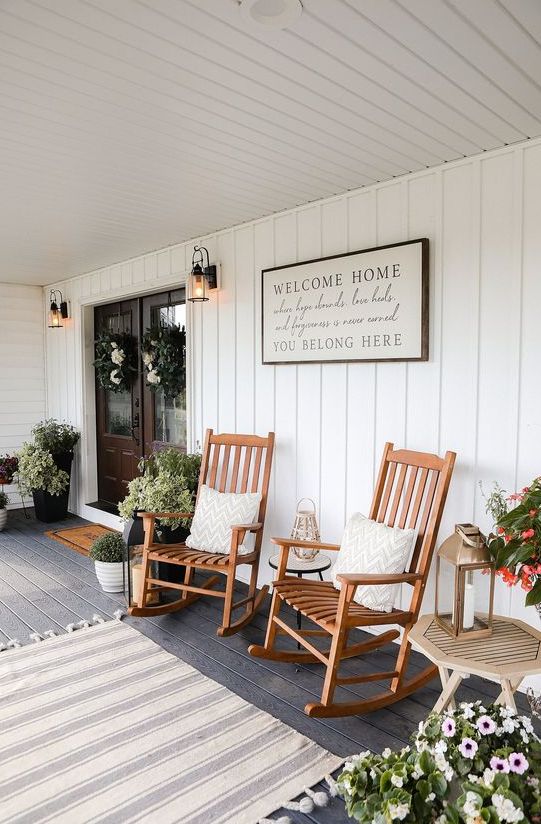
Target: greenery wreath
pixel 116 361
pixel 164 354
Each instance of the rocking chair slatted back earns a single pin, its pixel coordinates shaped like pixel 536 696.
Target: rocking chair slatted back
pixel 413 484
pixel 238 463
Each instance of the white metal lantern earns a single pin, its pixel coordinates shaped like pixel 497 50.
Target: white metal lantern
pixel 305 528
pixel 465 584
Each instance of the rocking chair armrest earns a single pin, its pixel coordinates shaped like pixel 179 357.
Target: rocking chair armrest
pixel 374 580
pixel 158 515
pixel 289 542
pixel 247 527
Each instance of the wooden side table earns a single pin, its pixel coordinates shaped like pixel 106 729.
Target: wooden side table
pixel 507 656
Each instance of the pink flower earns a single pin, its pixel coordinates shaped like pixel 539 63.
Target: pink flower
pixel 528 533
pixel 486 725
pixel 448 727
pixel 518 763
pixel 499 764
pixel 468 747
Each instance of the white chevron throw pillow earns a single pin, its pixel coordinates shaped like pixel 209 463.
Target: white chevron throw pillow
pixel 375 549
pixel 215 514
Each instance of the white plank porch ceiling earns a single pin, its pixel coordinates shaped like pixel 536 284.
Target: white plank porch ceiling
pixel 128 125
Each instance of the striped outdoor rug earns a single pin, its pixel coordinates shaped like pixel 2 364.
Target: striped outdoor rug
pixel 103 725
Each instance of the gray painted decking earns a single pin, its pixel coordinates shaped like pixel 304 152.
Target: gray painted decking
pixel 44 585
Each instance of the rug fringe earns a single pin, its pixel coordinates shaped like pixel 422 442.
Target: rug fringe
pixel 36 637
pixel 307 804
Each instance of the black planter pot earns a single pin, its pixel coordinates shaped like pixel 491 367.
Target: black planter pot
pixel 169 572
pixel 49 508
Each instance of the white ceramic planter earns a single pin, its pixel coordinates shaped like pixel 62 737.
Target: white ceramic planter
pixel 3 518
pixel 110 576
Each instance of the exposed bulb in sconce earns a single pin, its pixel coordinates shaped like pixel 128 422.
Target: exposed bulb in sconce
pixel 58 310
pixel 201 277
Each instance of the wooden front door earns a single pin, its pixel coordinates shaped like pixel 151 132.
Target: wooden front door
pixel 118 414
pixel 132 424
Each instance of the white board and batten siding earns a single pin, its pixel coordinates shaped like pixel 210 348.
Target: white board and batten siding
pixel 22 368
pixel 479 393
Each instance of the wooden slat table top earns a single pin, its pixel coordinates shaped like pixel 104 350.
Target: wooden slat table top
pixel 514 648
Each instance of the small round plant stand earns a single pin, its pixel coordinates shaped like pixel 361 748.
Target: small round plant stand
pixel 512 652
pixel 295 566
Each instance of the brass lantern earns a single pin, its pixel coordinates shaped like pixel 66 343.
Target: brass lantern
pixel 464 602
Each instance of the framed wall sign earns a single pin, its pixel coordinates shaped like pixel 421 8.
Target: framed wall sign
pixel 370 305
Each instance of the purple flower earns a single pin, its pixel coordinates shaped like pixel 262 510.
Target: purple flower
pixel 499 764
pixel 518 763
pixel 486 725
pixel 448 727
pixel 468 747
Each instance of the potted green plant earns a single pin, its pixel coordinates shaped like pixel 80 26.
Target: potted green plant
pixel 471 765
pixel 8 468
pixel 168 483
pixel 108 553
pixel 4 500
pixel 45 468
pixel 515 543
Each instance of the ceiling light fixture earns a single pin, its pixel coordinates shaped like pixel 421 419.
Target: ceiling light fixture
pixel 275 14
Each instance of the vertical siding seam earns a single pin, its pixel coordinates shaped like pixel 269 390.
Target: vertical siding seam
pixel 477 184
pixel 254 329
pixel 518 214
pixel 438 264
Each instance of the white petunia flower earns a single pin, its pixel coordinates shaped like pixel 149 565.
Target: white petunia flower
pixel 386 752
pixel 399 811
pixel 506 810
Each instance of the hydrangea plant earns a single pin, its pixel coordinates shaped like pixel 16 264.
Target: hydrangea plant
pixel 473 765
pixel 168 484
pixel 37 470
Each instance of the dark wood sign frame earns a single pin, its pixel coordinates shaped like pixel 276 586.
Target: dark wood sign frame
pixel 425 305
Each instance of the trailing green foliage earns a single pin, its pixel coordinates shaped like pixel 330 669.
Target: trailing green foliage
pixel 476 764
pixel 164 355
pixel 55 437
pixel 168 484
pixel 37 470
pixel 109 548
pixel 115 361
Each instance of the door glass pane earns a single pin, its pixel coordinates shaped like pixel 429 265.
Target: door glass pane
pixel 170 413
pixel 118 413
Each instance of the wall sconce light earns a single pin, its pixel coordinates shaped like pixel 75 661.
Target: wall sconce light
pixel 58 310
pixel 201 277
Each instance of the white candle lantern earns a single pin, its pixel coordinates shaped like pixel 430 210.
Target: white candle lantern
pixel 465 584
pixel 305 528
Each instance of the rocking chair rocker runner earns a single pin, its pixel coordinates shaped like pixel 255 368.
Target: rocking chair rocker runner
pixel 411 490
pixel 232 463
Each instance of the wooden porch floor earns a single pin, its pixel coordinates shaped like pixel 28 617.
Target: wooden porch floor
pixel 44 585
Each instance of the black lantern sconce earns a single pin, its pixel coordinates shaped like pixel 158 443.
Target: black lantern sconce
pixel 58 310
pixel 202 278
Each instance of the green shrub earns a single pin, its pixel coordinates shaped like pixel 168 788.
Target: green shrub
pixel 109 548
pixel 4 500
pixel 55 437
pixel 37 470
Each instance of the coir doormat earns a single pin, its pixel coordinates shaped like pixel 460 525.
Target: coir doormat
pixel 79 538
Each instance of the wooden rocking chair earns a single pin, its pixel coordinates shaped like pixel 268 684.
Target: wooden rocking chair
pixel 230 463
pixel 410 484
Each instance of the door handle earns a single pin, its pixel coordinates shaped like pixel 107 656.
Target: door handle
pixel 134 426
